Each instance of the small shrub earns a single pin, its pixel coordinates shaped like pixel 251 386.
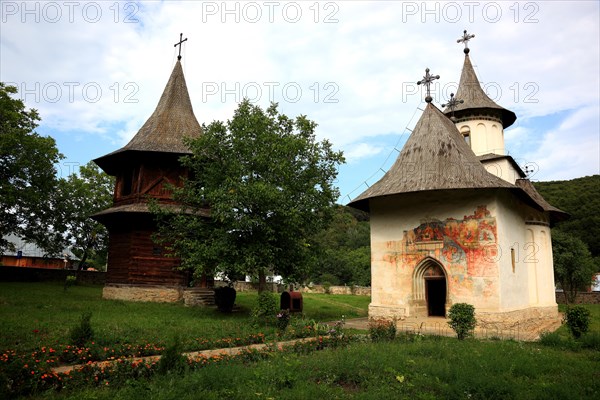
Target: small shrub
pixel 283 320
pixel 266 308
pixel 462 319
pixel 70 280
pixel 382 330
pixel 172 358
pixel 591 340
pixel 551 339
pixel 82 333
pixel 337 330
pixel 577 319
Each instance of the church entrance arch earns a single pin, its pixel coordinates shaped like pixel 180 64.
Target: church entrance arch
pixel 430 287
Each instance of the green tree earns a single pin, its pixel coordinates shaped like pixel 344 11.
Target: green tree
pixel 27 173
pixel 579 197
pixel 573 264
pixel 75 199
pixel 269 185
pixel 343 253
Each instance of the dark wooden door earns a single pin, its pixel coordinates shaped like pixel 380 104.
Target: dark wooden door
pixel 435 293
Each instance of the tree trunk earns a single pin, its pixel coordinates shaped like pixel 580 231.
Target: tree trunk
pixel 262 281
pixel 83 259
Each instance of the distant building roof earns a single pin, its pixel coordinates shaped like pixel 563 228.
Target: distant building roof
pixel 32 250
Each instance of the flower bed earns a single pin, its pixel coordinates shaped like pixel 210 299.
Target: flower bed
pixel 25 375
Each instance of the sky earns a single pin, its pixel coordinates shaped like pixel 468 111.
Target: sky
pixel 95 71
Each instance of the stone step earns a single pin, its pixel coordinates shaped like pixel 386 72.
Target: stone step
pixel 199 297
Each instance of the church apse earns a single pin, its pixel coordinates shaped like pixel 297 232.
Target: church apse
pixel 467 249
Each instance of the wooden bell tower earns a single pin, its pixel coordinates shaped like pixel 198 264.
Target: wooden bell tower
pixel 138 269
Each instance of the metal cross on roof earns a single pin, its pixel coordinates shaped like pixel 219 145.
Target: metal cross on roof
pixel 179 44
pixel 465 39
pixel 452 103
pixel 427 79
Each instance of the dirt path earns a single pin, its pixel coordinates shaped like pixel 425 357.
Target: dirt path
pixel 231 351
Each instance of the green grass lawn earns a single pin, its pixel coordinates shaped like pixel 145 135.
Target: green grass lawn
pixel 41 314
pixel 410 367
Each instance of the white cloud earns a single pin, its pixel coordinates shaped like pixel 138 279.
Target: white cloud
pixel 359 151
pixel 357 76
pixel 570 150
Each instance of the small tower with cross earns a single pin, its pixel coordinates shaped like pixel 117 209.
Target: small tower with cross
pixel 479 118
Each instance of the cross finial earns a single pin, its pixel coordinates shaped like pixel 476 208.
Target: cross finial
pixel 465 39
pixel 427 79
pixel 452 103
pixel 179 44
pixel 530 170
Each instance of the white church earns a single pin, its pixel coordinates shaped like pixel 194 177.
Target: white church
pixel 455 220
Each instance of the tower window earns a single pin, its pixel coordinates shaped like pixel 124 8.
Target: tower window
pixel 126 185
pixel 466 132
pixel 127 182
pixel 467 138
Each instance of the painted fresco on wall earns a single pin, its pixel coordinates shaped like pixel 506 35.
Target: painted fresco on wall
pixel 467 248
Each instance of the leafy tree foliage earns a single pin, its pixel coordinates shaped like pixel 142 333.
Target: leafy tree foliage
pixel 27 173
pixel 573 264
pixel 75 199
pixel 343 253
pixel 581 198
pixel 269 186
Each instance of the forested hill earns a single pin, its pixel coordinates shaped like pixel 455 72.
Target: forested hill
pixel 579 197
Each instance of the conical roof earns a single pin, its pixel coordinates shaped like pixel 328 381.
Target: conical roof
pixel 475 101
pixel 435 157
pixel 172 120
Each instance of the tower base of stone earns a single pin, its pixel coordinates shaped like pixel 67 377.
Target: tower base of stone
pixel 157 294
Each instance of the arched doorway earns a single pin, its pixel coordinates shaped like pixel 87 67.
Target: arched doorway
pixel 429 284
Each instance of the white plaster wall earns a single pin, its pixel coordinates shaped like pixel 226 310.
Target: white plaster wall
pixel 532 282
pixel 502 168
pixel 391 278
pixel 546 286
pixel 514 286
pixel 531 261
pixel 486 136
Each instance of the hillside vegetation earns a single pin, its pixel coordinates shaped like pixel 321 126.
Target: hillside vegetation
pixel 579 197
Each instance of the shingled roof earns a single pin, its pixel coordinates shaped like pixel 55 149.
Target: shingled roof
pixel 172 120
pixel 555 213
pixel 435 157
pixel 475 101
